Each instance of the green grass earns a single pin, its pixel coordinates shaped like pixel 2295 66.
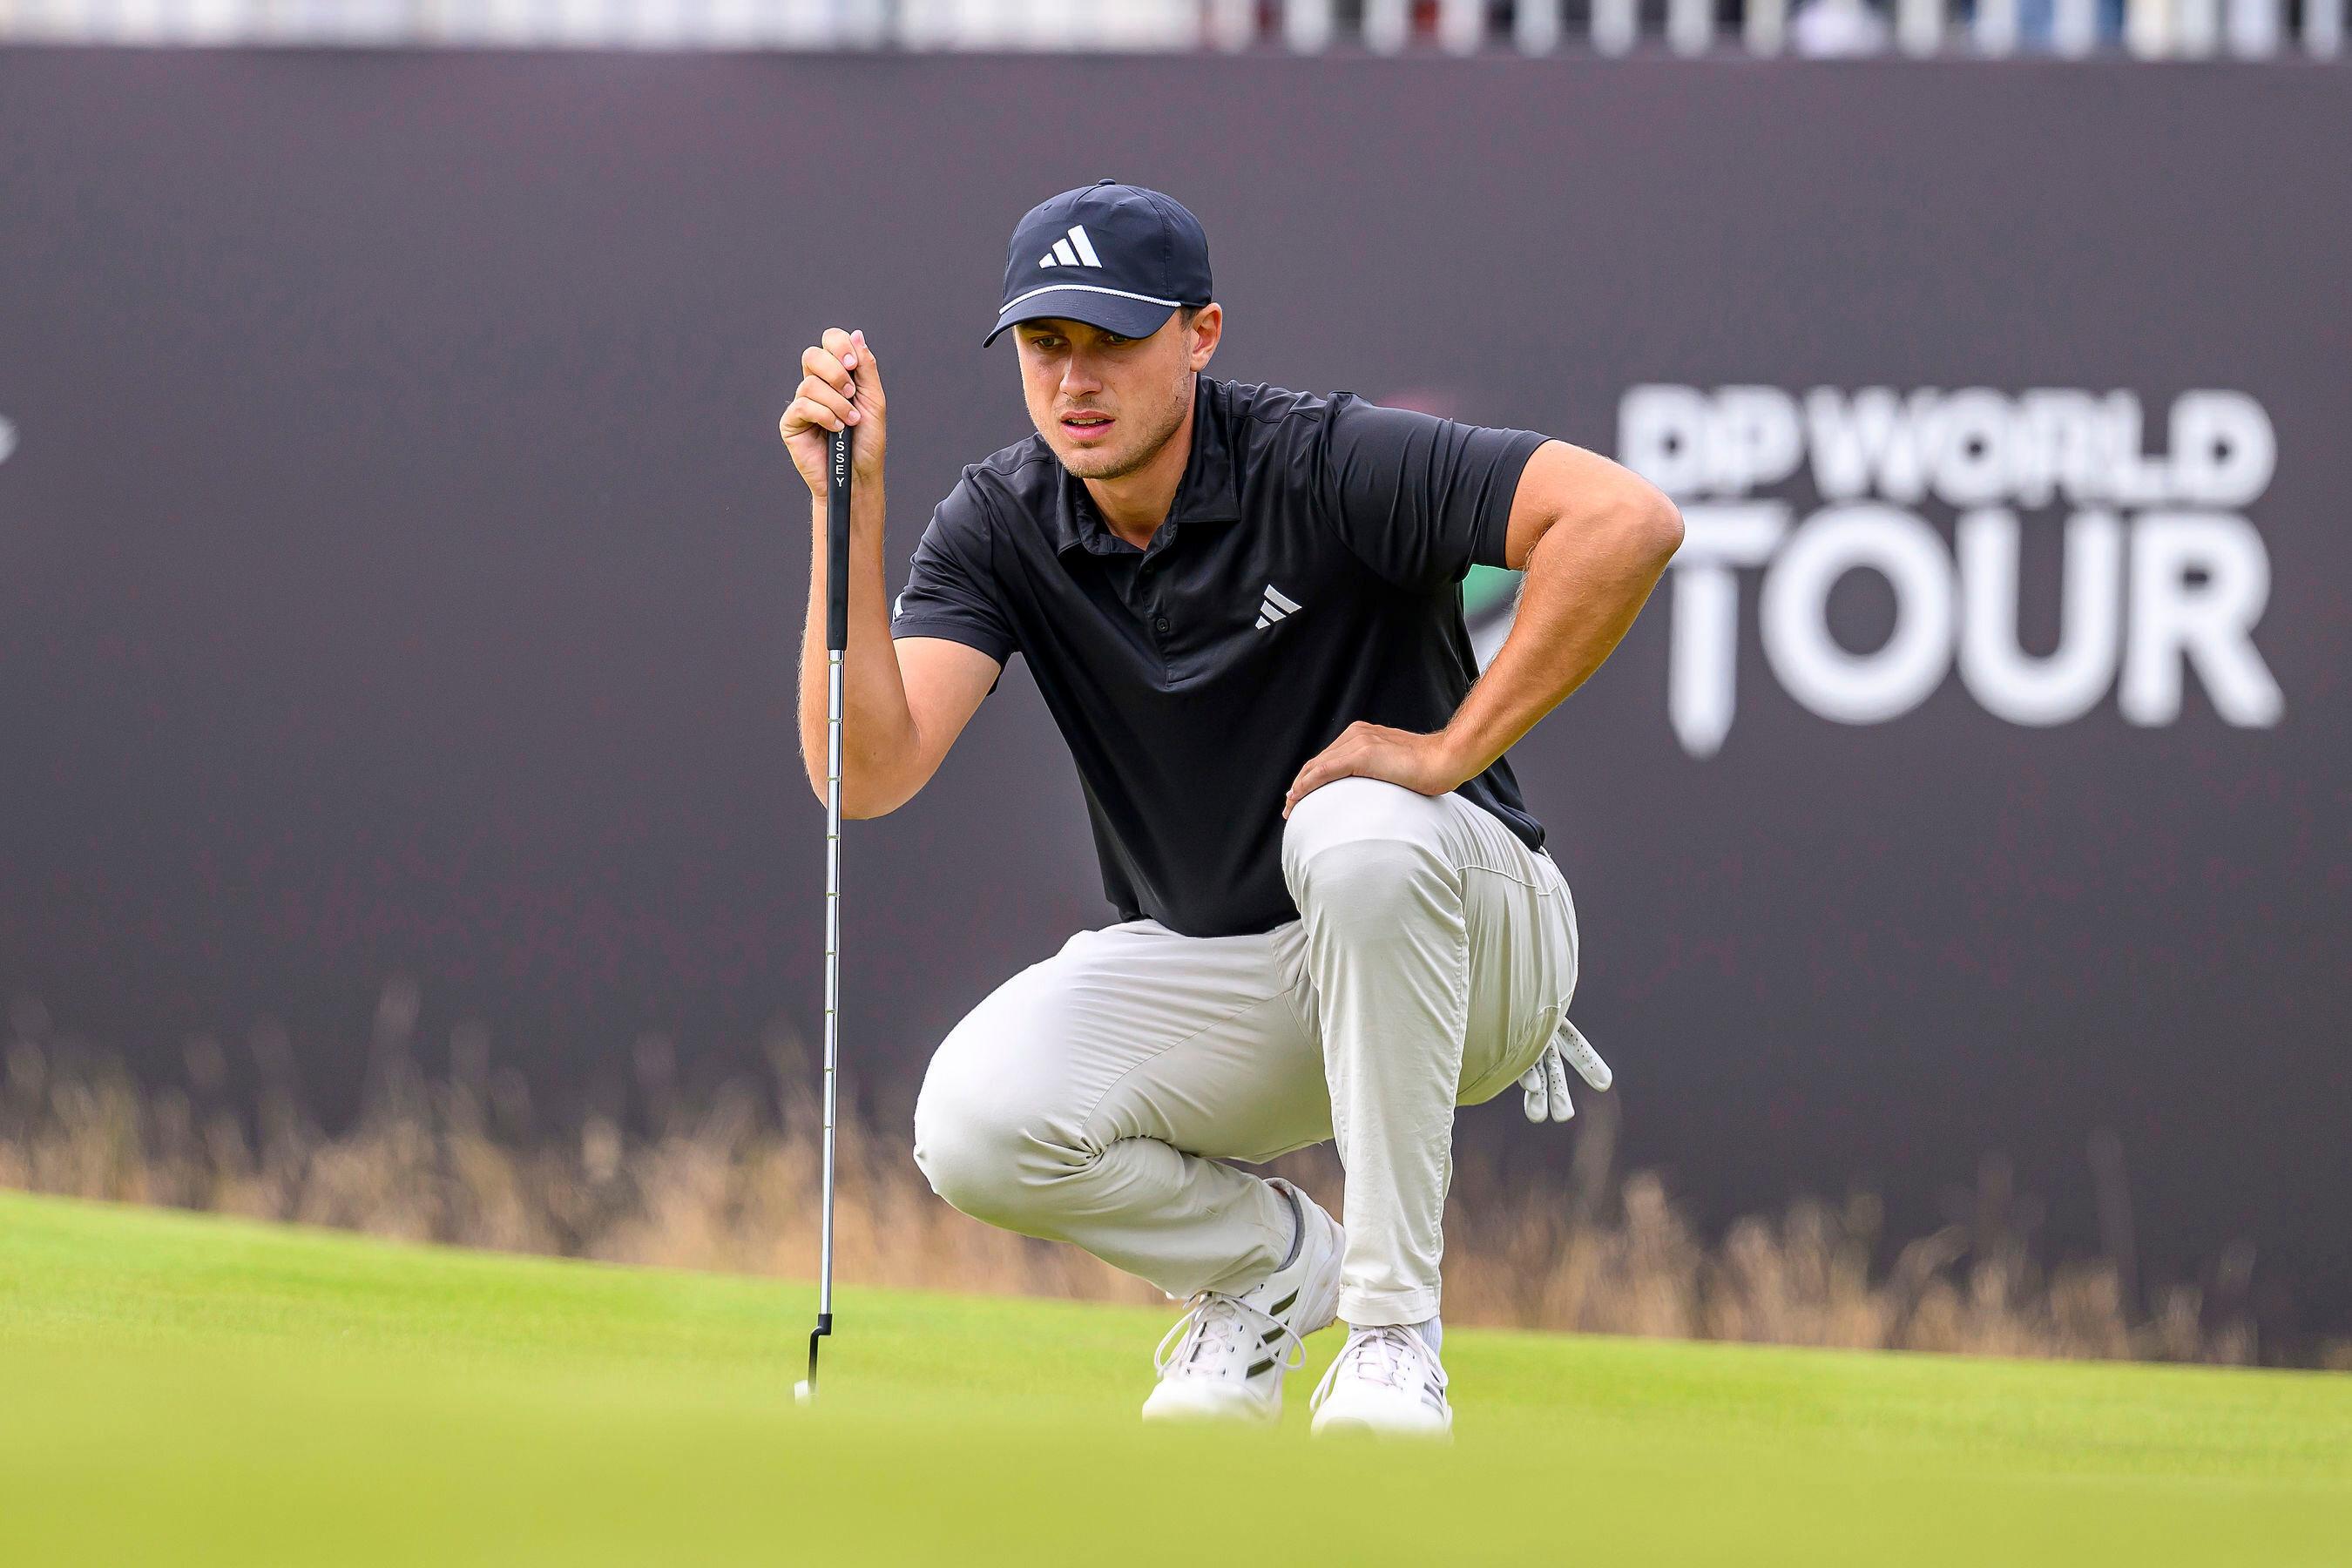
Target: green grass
pixel 181 1389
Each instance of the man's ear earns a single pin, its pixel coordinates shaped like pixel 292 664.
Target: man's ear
pixel 1208 330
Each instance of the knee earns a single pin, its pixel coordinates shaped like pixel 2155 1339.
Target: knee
pixel 965 1149
pixel 1363 850
pixel 982 1151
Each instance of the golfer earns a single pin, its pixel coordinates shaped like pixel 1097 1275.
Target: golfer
pixel 1335 916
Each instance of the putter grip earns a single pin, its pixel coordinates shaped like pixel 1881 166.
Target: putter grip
pixel 836 540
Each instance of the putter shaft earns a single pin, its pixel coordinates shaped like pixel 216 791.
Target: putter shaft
pixel 836 642
pixel 832 995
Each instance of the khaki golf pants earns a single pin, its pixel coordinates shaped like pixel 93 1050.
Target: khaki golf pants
pixel 1097 1098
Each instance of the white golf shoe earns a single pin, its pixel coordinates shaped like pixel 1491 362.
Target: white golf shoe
pixel 1227 1355
pixel 1386 1383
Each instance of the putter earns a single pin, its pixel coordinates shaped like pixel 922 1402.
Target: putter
pixel 837 641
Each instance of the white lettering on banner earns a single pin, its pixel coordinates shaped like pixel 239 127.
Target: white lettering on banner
pixel 2178 620
pixel 2011 683
pixel 2161 575
pixel 1703 664
pixel 1859 687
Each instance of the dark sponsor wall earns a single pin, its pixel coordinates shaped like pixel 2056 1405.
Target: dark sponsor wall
pixel 399 575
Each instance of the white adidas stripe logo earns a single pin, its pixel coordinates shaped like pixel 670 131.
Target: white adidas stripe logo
pixel 1278 605
pixel 1072 249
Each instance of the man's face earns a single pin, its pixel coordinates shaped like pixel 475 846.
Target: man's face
pixel 1105 404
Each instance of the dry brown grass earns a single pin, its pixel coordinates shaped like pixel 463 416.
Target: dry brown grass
pixel 728 1182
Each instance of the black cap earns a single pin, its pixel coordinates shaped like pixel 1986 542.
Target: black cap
pixel 1117 257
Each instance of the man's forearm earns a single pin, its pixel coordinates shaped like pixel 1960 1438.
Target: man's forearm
pixel 878 727
pixel 1586 581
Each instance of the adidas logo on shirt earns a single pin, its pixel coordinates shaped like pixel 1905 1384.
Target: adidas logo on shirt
pixel 1278 605
pixel 1072 249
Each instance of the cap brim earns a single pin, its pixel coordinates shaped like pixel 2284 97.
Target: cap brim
pixel 1129 315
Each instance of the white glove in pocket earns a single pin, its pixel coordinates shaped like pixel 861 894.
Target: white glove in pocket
pixel 1545 1083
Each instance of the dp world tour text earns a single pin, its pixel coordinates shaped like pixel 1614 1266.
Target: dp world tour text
pixel 2164 575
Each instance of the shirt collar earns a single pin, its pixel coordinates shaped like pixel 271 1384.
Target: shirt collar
pixel 1206 494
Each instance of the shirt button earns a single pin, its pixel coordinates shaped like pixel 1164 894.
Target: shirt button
pixel 1159 623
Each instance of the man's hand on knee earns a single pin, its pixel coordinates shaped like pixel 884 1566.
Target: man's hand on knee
pixel 1425 764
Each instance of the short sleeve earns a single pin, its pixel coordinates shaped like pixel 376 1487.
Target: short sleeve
pixel 1418 498
pixel 950 592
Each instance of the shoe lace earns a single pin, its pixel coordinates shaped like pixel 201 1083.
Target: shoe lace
pixel 1387 1353
pixel 1226 1323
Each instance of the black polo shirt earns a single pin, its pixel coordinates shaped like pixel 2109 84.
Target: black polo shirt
pixel 1309 574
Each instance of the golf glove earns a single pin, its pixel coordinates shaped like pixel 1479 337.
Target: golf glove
pixel 1545 1083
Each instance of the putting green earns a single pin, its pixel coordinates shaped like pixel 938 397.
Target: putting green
pixel 176 1388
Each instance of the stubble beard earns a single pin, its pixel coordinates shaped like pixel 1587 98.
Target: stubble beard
pixel 1086 465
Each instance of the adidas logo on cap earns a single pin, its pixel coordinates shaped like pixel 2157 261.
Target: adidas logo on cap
pixel 1072 249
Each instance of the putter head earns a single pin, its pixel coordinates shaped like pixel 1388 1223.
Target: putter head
pixel 804 1391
